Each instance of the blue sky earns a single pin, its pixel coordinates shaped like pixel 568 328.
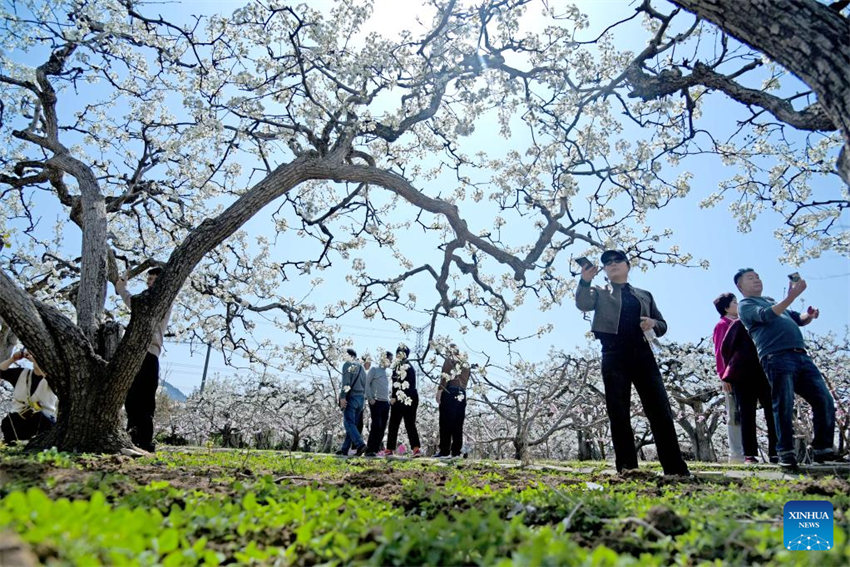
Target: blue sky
pixel 684 295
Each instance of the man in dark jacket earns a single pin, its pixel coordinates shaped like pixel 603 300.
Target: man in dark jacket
pixel 626 320
pixel 351 398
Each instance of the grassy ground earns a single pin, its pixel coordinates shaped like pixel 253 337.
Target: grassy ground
pixel 209 507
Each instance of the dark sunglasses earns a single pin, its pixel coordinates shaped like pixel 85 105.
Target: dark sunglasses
pixel 613 261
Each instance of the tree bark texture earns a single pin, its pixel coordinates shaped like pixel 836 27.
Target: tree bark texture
pixel 8 340
pixel 806 37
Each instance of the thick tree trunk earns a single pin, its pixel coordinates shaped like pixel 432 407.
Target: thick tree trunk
pixel 804 36
pixel 89 420
pixel 702 446
pixel 91 392
pixel 521 452
pixel 586 447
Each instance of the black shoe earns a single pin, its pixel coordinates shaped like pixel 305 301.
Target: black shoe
pixel 341 452
pixel 370 454
pixel 360 450
pixel 829 459
pixel 788 463
pixel 774 459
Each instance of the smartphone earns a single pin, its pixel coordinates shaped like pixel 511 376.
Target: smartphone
pixel 795 277
pixel 583 262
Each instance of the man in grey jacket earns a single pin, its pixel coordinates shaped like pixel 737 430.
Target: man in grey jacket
pixel 378 395
pixel 625 320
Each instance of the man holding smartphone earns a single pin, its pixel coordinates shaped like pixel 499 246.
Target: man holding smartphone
pixel 775 330
pixel 625 319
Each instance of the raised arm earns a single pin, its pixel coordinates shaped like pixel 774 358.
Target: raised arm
pixel 794 291
pixel 121 289
pixel 7 375
pixel 16 356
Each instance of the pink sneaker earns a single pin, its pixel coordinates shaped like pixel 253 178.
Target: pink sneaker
pixel 384 453
pixel 416 453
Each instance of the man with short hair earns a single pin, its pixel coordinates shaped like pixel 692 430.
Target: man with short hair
pixel 625 319
pixel 140 403
pixel 378 395
pixel 775 330
pixel 351 397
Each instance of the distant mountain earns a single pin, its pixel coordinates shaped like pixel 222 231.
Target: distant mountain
pixel 172 392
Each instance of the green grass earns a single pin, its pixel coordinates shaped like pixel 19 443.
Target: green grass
pixel 210 507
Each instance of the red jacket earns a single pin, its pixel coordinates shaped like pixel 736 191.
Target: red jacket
pixel 719 333
pixel 740 356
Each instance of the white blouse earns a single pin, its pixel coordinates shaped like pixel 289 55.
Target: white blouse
pixel 43 399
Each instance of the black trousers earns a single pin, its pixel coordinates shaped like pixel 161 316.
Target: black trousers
pixel 380 414
pixel 452 414
pixel 748 393
pixel 400 411
pixel 141 403
pixel 636 365
pixel 20 427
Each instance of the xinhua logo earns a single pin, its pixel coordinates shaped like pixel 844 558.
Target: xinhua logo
pixel 808 525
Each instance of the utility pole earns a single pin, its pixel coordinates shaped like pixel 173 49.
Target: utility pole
pixel 206 365
pixel 419 348
pixel 420 343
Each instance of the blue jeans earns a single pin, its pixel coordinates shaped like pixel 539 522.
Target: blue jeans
pixel 789 372
pixel 350 415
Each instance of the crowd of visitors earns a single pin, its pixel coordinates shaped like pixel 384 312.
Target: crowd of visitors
pixel 760 354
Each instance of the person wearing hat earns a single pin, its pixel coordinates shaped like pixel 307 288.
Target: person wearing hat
pixel 624 318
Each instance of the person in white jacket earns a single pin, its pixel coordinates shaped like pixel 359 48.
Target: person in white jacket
pixel 33 402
